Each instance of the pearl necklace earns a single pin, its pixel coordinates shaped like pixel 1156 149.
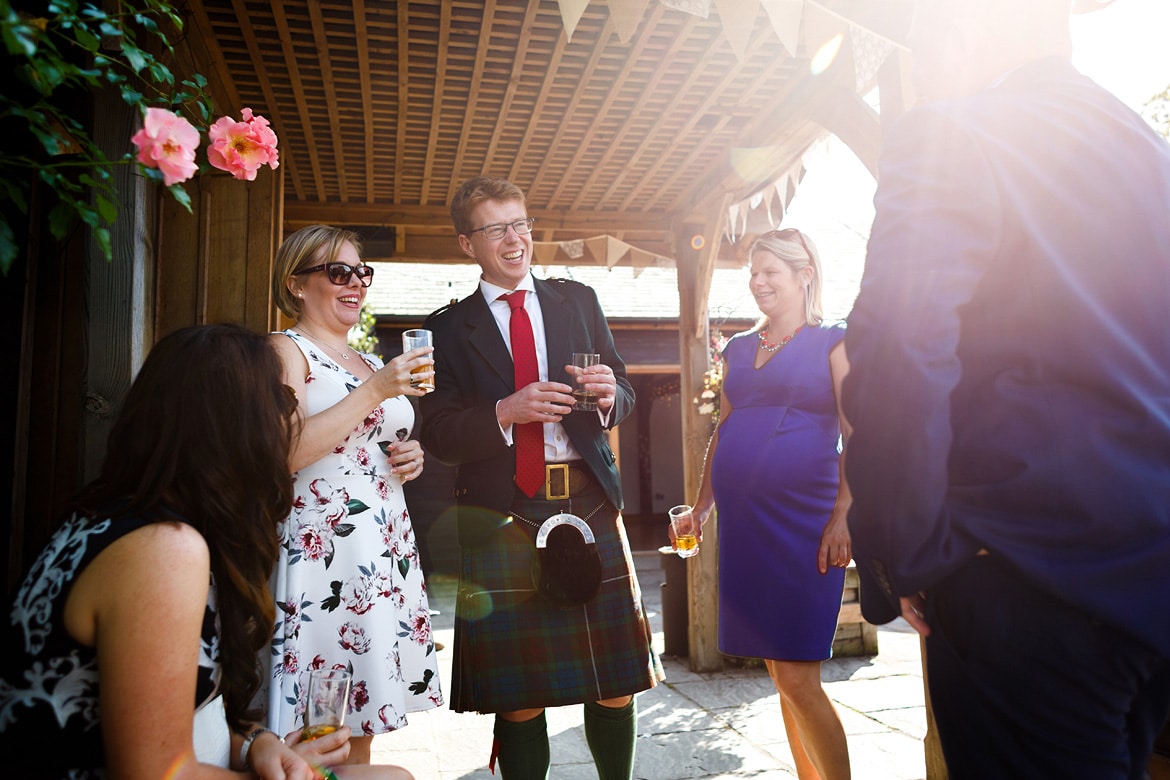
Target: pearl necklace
pixel 768 346
pixel 344 353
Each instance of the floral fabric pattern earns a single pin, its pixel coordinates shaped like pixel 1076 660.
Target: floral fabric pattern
pixel 349 587
pixel 49 685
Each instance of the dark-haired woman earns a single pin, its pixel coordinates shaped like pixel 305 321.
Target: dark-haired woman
pixel 132 642
pixel 348 585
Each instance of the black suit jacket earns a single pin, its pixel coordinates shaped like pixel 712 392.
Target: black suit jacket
pixel 1009 383
pixel 473 370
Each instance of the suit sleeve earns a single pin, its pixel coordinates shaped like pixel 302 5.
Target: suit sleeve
pixel 936 226
pixel 458 424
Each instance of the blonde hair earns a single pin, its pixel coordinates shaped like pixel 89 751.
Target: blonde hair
pixel 309 246
pixel 798 252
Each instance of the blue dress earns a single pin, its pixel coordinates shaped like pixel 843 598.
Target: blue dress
pixel 775 481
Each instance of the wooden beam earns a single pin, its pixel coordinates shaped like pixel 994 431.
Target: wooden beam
pixel 846 115
pixel 302 212
pixel 702 569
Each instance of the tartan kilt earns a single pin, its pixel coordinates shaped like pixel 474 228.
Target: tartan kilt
pixel 516 650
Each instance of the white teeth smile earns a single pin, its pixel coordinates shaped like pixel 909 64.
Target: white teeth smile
pixel 349 299
pixel 513 255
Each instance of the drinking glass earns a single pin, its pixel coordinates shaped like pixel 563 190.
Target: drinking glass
pixel 686 532
pixel 413 339
pixel 586 402
pixel 326 702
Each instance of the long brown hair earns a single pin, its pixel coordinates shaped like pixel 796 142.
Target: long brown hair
pixel 205 433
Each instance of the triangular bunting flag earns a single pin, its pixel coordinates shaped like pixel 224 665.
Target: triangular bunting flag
pixel 785 16
pixel 738 18
pixel 571 11
pixel 626 15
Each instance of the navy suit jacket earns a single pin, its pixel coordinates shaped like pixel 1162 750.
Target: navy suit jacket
pixel 473 370
pixel 1009 386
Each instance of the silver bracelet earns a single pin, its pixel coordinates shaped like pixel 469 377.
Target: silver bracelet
pixel 246 747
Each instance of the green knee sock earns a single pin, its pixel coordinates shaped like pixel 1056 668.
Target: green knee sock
pixel 523 748
pixel 610 733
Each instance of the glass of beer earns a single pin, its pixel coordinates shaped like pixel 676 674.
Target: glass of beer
pixel 586 402
pixel 327 702
pixel 413 339
pixel 686 532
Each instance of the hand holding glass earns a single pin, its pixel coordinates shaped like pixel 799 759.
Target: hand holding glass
pixel 327 702
pixel 585 401
pixel 686 531
pixel 413 339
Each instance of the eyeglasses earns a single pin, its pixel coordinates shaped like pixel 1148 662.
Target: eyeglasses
pixel 789 233
pixel 522 227
pixel 339 273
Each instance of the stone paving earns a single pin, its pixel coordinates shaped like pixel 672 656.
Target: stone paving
pixel 714 725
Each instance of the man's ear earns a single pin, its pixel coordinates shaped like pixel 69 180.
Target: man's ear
pixel 465 245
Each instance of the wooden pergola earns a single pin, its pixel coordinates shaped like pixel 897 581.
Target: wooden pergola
pixel 677 133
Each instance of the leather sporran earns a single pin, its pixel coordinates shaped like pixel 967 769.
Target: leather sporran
pixel 567 566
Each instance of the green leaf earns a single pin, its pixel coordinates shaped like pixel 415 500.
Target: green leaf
pixel 161 73
pixel 180 195
pixel 131 95
pixel 135 57
pixel 107 208
pixel 86 39
pixel 8 248
pixel 102 235
pixel 91 11
pixel 20 39
pixel 61 218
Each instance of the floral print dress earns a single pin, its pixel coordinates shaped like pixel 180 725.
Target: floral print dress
pixel 348 586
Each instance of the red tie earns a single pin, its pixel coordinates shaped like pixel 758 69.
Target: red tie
pixel 529 437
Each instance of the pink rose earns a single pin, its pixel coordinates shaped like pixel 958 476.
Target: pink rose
pixel 241 147
pixel 167 142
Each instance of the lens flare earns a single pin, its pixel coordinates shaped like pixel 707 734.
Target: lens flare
pixel 826 54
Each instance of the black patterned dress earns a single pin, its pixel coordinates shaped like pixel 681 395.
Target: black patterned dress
pixel 49 682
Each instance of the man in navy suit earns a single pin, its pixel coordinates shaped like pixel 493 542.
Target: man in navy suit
pixel 1010 398
pixel 517 651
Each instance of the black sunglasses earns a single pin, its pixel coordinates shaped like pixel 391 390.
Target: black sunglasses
pixel 339 273
pixel 789 233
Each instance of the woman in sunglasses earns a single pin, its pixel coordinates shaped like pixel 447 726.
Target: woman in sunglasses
pixel 774 471
pixel 348 585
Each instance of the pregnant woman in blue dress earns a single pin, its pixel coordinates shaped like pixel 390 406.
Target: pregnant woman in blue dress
pixel 774 470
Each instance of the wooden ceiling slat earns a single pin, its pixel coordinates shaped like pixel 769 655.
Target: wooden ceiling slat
pixel 272 110
pixel 383 109
pixel 518 65
pixel 437 102
pixel 330 90
pixel 709 106
pixel 366 91
pixel 403 97
pixel 474 83
pixel 648 94
pixel 550 176
pixel 298 93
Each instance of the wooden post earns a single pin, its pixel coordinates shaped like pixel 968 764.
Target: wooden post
pixel 118 297
pixel 695 255
pixel 215 264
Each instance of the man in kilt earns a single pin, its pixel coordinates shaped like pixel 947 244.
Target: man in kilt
pixel 523 455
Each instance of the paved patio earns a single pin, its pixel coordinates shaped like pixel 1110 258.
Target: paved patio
pixel 719 725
